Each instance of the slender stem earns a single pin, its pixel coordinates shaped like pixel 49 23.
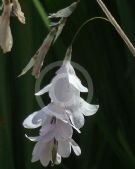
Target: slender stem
pixel 42 13
pixel 117 27
pixel 85 23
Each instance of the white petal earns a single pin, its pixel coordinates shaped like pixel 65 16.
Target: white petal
pixel 66 68
pixel 57 111
pixel 77 83
pixel 58 159
pixel 75 147
pixel 64 148
pixel 47 133
pixel 44 90
pixel 88 109
pixel 41 116
pixel 28 121
pixel 78 119
pixel 32 138
pixel 46 154
pixel 63 130
pixel 37 152
pixel 72 122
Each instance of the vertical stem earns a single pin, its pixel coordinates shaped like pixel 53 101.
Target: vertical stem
pixel 117 27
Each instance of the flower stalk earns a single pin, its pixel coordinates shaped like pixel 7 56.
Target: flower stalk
pixel 117 27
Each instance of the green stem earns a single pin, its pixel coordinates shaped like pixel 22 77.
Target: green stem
pixel 84 24
pixel 42 13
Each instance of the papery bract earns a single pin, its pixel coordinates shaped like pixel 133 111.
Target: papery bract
pixel 6 40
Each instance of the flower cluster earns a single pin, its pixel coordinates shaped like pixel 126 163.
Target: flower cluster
pixel 58 119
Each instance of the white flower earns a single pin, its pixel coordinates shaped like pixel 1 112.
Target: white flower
pixel 43 116
pixel 57 120
pixel 53 128
pixel 54 150
pixel 55 139
pixel 43 152
pixel 64 87
pixel 65 90
pixel 6 40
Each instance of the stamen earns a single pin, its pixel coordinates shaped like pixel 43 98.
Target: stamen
pixel 54 152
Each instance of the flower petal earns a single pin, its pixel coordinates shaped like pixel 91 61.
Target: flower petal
pixel 32 138
pixel 78 119
pixel 57 111
pixel 58 159
pixel 75 147
pixel 88 109
pixel 63 130
pixel 64 148
pixel 72 122
pixel 41 116
pixel 28 121
pixel 46 154
pixel 44 90
pixel 66 68
pixel 77 83
pixel 36 152
pixel 47 133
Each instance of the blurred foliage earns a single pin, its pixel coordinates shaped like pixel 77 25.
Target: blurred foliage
pixel 107 139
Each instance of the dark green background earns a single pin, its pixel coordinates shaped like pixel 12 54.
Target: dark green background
pixel 107 140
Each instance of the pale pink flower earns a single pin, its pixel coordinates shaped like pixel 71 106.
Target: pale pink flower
pixel 55 138
pixel 6 40
pixel 17 11
pixel 64 87
pixel 43 116
pixel 53 150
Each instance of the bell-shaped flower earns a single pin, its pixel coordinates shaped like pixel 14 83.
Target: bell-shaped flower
pixel 53 128
pixel 44 152
pixel 43 116
pixel 53 150
pixel 65 86
pixel 6 40
pixel 55 139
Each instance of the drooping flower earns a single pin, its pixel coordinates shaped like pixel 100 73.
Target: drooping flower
pixel 65 87
pixel 55 139
pixel 52 151
pixel 43 116
pixel 36 62
pixel 6 40
pixel 16 9
pixel 57 120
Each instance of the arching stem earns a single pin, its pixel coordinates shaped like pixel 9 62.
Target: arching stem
pixel 84 24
